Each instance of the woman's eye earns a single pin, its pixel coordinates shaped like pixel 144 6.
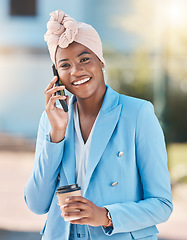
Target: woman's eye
pixel 84 59
pixel 66 65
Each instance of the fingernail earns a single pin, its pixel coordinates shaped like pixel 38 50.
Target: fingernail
pixel 67 199
pixel 62 206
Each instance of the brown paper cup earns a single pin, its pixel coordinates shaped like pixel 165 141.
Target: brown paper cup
pixel 63 196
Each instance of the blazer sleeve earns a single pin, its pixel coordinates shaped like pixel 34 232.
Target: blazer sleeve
pixel 41 185
pixel 156 205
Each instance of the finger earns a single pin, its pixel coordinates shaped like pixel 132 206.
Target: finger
pixel 52 92
pixel 73 214
pixel 76 199
pixel 52 101
pixel 82 221
pixel 74 205
pixel 51 84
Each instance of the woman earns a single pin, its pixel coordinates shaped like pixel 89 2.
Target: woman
pixel 110 144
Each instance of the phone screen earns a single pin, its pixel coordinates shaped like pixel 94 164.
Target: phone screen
pixel 61 92
pixel 59 83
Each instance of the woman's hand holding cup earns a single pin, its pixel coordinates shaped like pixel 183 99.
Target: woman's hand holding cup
pixel 88 214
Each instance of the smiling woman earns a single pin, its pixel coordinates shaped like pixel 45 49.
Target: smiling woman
pixel 111 145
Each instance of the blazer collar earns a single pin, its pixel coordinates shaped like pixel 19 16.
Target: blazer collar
pixel 110 101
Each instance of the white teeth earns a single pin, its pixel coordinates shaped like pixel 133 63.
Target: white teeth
pixel 81 81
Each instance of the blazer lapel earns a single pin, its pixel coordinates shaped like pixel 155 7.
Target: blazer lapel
pixel 105 125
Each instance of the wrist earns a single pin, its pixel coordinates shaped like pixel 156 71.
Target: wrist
pixel 108 222
pixel 56 136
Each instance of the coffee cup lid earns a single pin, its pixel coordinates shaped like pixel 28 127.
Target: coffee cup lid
pixel 68 188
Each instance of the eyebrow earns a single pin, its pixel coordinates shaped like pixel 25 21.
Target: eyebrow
pixel 82 53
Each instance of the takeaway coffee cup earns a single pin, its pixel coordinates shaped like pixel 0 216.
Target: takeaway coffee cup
pixel 65 192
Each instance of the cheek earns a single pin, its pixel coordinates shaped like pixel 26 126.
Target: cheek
pixel 64 77
pixel 96 69
pixel 98 72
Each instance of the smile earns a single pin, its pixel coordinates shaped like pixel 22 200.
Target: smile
pixel 81 81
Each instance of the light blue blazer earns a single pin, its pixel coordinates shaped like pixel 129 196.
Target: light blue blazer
pixel 140 197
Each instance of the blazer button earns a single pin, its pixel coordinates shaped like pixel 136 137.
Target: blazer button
pixel 114 184
pixel 120 154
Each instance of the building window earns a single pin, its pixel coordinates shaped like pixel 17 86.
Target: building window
pixel 23 7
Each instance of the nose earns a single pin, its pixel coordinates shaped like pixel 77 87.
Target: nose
pixel 77 70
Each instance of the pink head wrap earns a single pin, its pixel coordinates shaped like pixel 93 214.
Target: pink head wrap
pixel 63 30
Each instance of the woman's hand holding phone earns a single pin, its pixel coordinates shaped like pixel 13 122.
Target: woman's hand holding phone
pixel 57 116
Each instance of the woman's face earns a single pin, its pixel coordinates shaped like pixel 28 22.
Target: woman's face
pixel 80 70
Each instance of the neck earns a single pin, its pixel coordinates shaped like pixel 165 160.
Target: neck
pixel 91 106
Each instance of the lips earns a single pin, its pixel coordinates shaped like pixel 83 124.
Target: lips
pixel 79 82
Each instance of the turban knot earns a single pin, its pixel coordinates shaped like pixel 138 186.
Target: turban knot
pixel 62 30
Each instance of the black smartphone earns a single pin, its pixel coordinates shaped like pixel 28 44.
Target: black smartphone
pixel 61 92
